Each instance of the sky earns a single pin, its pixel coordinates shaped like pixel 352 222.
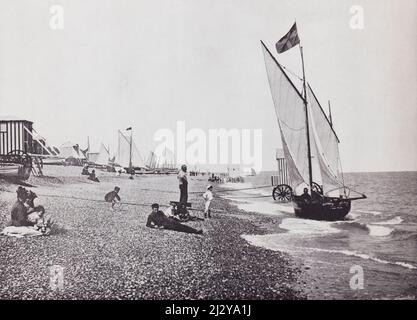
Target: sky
pixel 149 64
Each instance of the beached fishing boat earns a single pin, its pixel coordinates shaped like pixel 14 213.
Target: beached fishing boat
pixel 16 165
pixel 309 142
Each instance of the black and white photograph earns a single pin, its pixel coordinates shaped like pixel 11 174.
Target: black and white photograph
pixel 208 150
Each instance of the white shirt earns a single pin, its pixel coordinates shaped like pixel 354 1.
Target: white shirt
pixel 208 195
pixel 169 212
pixel 182 177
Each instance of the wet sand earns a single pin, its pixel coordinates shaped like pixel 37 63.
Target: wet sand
pixel 113 255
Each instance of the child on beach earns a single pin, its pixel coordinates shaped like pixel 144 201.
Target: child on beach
pixel 208 197
pixel 171 212
pixel 113 197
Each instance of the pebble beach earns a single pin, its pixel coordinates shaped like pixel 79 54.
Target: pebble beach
pixel 109 254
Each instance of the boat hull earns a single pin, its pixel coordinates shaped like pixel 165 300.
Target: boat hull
pixel 14 171
pixel 330 209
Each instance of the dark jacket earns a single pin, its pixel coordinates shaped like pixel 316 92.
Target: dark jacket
pixel 157 218
pixel 109 197
pixel 19 215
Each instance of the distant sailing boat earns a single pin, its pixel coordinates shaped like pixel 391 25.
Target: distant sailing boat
pixel 309 142
pixel 128 154
pixel 166 162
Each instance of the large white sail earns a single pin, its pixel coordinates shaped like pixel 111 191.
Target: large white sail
pixel 326 144
pixel 290 111
pixel 123 153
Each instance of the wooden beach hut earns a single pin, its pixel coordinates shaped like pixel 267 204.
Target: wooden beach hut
pixel 15 135
pixel 16 143
pixel 281 181
pixel 282 177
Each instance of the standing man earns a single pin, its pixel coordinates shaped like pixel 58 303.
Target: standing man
pixel 183 184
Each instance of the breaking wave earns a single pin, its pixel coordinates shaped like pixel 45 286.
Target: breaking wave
pixel 307 227
pixel 393 221
pixel 375 213
pixel 378 231
pixel 274 242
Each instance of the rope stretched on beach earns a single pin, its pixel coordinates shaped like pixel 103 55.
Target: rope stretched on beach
pixel 231 190
pixel 217 191
pixel 121 203
pixel 165 191
pixel 249 197
pixel 197 192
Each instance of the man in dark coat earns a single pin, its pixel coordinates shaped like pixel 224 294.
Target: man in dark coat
pixel 158 219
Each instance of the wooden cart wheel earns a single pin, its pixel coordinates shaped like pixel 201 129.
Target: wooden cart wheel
pixel 316 188
pixel 282 193
pixel 25 159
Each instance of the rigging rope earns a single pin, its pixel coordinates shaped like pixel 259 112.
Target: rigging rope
pixel 293 129
pixel 291 72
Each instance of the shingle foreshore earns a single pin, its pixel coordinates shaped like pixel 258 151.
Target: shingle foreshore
pixel 113 255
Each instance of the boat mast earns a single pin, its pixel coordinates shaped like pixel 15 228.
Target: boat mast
pixel 130 150
pixel 310 173
pixel 330 115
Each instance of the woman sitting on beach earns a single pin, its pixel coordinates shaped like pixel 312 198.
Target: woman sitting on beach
pixel 85 171
pixel 19 213
pixel 93 177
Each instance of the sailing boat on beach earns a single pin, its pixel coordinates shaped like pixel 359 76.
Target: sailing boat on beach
pixel 309 142
pixel 128 154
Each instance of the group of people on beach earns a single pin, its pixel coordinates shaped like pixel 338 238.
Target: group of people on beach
pixel 24 213
pixel 169 220
pixel 183 186
pixel 177 213
pixel 91 175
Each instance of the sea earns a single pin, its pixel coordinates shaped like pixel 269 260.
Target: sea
pixel 372 254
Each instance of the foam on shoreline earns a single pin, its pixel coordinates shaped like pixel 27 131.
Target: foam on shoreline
pixel 378 231
pixel 275 242
pixel 307 227
pixel 394 221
